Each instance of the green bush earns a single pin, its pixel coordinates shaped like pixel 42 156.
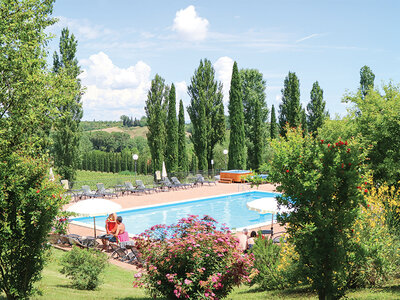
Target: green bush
pixel 83 267
pixel 276 265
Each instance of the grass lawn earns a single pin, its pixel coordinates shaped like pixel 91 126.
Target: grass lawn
pixel 118 285
pixel 91 178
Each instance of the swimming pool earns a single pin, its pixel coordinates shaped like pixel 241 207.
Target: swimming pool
pixel 227 209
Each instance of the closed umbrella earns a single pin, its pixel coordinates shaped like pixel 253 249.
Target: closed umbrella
pixel 267 205
pixel 164 171
pixel 93 208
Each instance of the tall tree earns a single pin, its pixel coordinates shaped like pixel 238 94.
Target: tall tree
pixel 290 108
pixel 155 105
pixel 206 112
pixel 237 155
pixel 259 137
pixel 303 121
pixel 367 78
pixel 253 91
pixel 171 154
pixel 273 124
pixel 316 109
pixel 67 135
pixel 182 155
pixel 29 100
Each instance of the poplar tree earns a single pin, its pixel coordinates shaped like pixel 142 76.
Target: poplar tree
pixel 258 138
pixel 155 105
pixel 182 155
pixel 67 134
pixel 253 92
pixel 273 128
pixel 316 109
pixel 367 78
pixel 290 108
pixel 237 155
pixel 171 154
pixel 206 112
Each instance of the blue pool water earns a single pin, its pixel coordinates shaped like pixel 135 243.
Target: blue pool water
pixel 230 210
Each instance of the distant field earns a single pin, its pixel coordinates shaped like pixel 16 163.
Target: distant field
pixel 133 131
pixel 91 178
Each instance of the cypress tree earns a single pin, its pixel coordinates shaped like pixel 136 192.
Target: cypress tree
pixel 259 135
pixel 66 128
pixel 316 109
pixel 237 159
pixel 208 128
pixel 290 108
pixel 171 155
pixel 304 121
pixel 155 104
pixel 367 78
pixel 273 123
pixel 182 156
pixel 253 91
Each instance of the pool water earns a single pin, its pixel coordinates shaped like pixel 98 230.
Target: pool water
pixel 230 210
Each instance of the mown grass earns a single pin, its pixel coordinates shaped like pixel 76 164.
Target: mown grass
pixel 118 285
pixel 110 180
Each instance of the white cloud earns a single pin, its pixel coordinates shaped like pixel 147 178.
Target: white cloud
pixel 112 91
pixel 223 68
pixel 82 28
pixel 189 25
pixel 309 37
pixel 181 91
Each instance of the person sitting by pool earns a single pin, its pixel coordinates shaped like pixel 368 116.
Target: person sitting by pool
pixel 251 240
pixel 120 235
pixel 111 226
pixel 242 237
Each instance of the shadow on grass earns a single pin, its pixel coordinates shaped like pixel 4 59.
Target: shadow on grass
pixel 302 291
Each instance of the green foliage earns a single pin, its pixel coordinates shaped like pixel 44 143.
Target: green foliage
pixel 255 114
pixel 61 222
pixel 237 150
pixel 367 78
pixel 182 155
pixel 273 127
pixel 83 267
pixel 171 153
pixel 320 181
pixel 29 203
pixel 377 117
pixel 290 109
pixel 316 109
pixel 156 116
pixel 206 112
pixel 66 134
pixel 337 128
pixel 269 261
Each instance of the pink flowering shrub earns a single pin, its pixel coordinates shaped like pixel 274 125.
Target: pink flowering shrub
pixel 192 260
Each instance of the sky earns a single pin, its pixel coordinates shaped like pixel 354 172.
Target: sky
pixel 123 44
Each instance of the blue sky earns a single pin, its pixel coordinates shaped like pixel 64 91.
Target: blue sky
pixel 123 44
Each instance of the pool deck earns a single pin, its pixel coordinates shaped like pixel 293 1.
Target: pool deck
pixel 132 201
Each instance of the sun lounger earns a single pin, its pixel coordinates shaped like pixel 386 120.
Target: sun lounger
pixel 130 188
pixel 87 192
pixel 141 187
pixel 101 190
pixel 179 184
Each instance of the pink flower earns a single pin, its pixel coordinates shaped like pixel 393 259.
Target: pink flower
pixel 187 281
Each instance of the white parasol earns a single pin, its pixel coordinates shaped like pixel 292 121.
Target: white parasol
pixel 164 171
pixel 267 205
pixel 93 208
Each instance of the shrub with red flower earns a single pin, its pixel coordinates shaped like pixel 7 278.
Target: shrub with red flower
pixel 61 222
pixel 192 259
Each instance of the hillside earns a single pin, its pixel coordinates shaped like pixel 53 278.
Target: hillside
pixel 132 131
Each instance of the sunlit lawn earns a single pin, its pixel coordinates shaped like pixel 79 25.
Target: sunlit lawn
pixel 118 285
